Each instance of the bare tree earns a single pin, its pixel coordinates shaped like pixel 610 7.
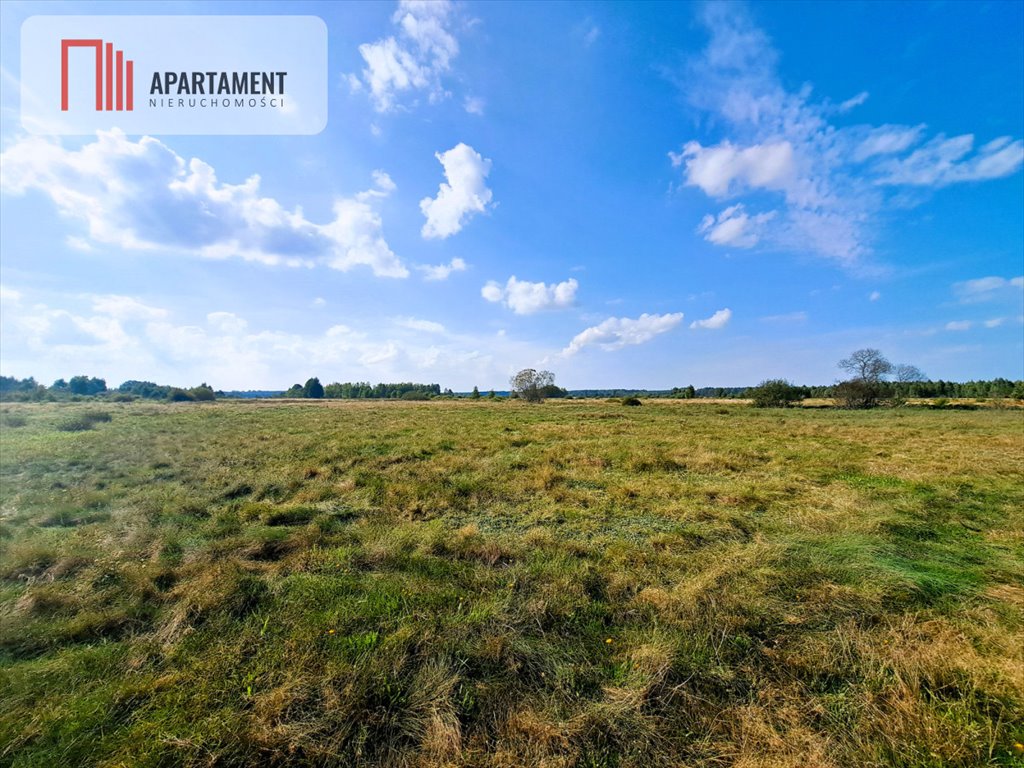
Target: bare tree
pixel 908 374
pixel 866 387
pixel 867 365
pixel 529 384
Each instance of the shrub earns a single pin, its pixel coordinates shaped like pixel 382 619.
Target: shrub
pixel 179 396
pixel 414 396
pixel 631 401
pixel 14 420
pixel 83 421
pixel 74 424
pixel 775 393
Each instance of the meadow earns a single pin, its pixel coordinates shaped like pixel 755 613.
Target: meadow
pixel 577 583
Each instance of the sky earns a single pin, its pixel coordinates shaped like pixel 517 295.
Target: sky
pixel 642 195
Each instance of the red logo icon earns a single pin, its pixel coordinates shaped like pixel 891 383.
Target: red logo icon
pixel 109 96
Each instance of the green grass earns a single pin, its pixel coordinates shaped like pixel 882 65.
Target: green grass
pixel 495 584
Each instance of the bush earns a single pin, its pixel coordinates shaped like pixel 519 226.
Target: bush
pixel 13 420
pixel 414 396
pixel 775 393
pixel 631 401
pixel 858 393
pixel 179 396
pixel 74 424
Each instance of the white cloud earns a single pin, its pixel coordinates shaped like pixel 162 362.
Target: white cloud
pixel 414 324
pixel 833 182
pixel 525 298
pixel 734 227
pixel 319 301
pixel 874 296
pixel 995 322
pixel 226 322
pixel 413 60
pixel 959 325
pixel 726 169
pixel 618 332
pixel 718 320
pixel 126 308
pixel 988 289
pixel 789 317
pixel 143 196
pixel 853 102
pixel 442 271
pixel 474 105
pixel 9 295
pixel 886 140
pixel 464 195
pixel 944 161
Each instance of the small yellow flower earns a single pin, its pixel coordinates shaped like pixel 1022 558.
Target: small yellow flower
pixel 330 631
pixel 609 641
pixel 1018 748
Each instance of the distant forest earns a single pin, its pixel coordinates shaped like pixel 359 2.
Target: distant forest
pixel 13 389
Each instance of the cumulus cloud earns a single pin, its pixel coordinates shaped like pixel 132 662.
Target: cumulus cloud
pixel 989 288
pixel 525 298
pixel 460 198
pixel 618 332
pixel 718 320
pixel 726 169
pixel 442 271
pixel 141 195
pixel 413 59
pixel 831 182
pixel 734 227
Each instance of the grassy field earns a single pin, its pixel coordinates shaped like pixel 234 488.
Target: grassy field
pixel 497 584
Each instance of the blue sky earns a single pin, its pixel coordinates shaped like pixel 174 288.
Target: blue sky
pixel 630 195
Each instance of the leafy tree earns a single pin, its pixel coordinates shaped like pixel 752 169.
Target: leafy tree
pixel 775 393
pixel 529 383
pixel 313 389
pixel 475 394
pixel 83 385
pixel 204 392
pixel 689 393
pixel 491 395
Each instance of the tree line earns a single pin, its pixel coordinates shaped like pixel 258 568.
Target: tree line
pixel 363 390
pixel 29 389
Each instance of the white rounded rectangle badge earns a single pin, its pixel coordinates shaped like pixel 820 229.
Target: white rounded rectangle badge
pixel 174 75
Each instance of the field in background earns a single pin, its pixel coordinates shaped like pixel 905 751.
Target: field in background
pixel 497 584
